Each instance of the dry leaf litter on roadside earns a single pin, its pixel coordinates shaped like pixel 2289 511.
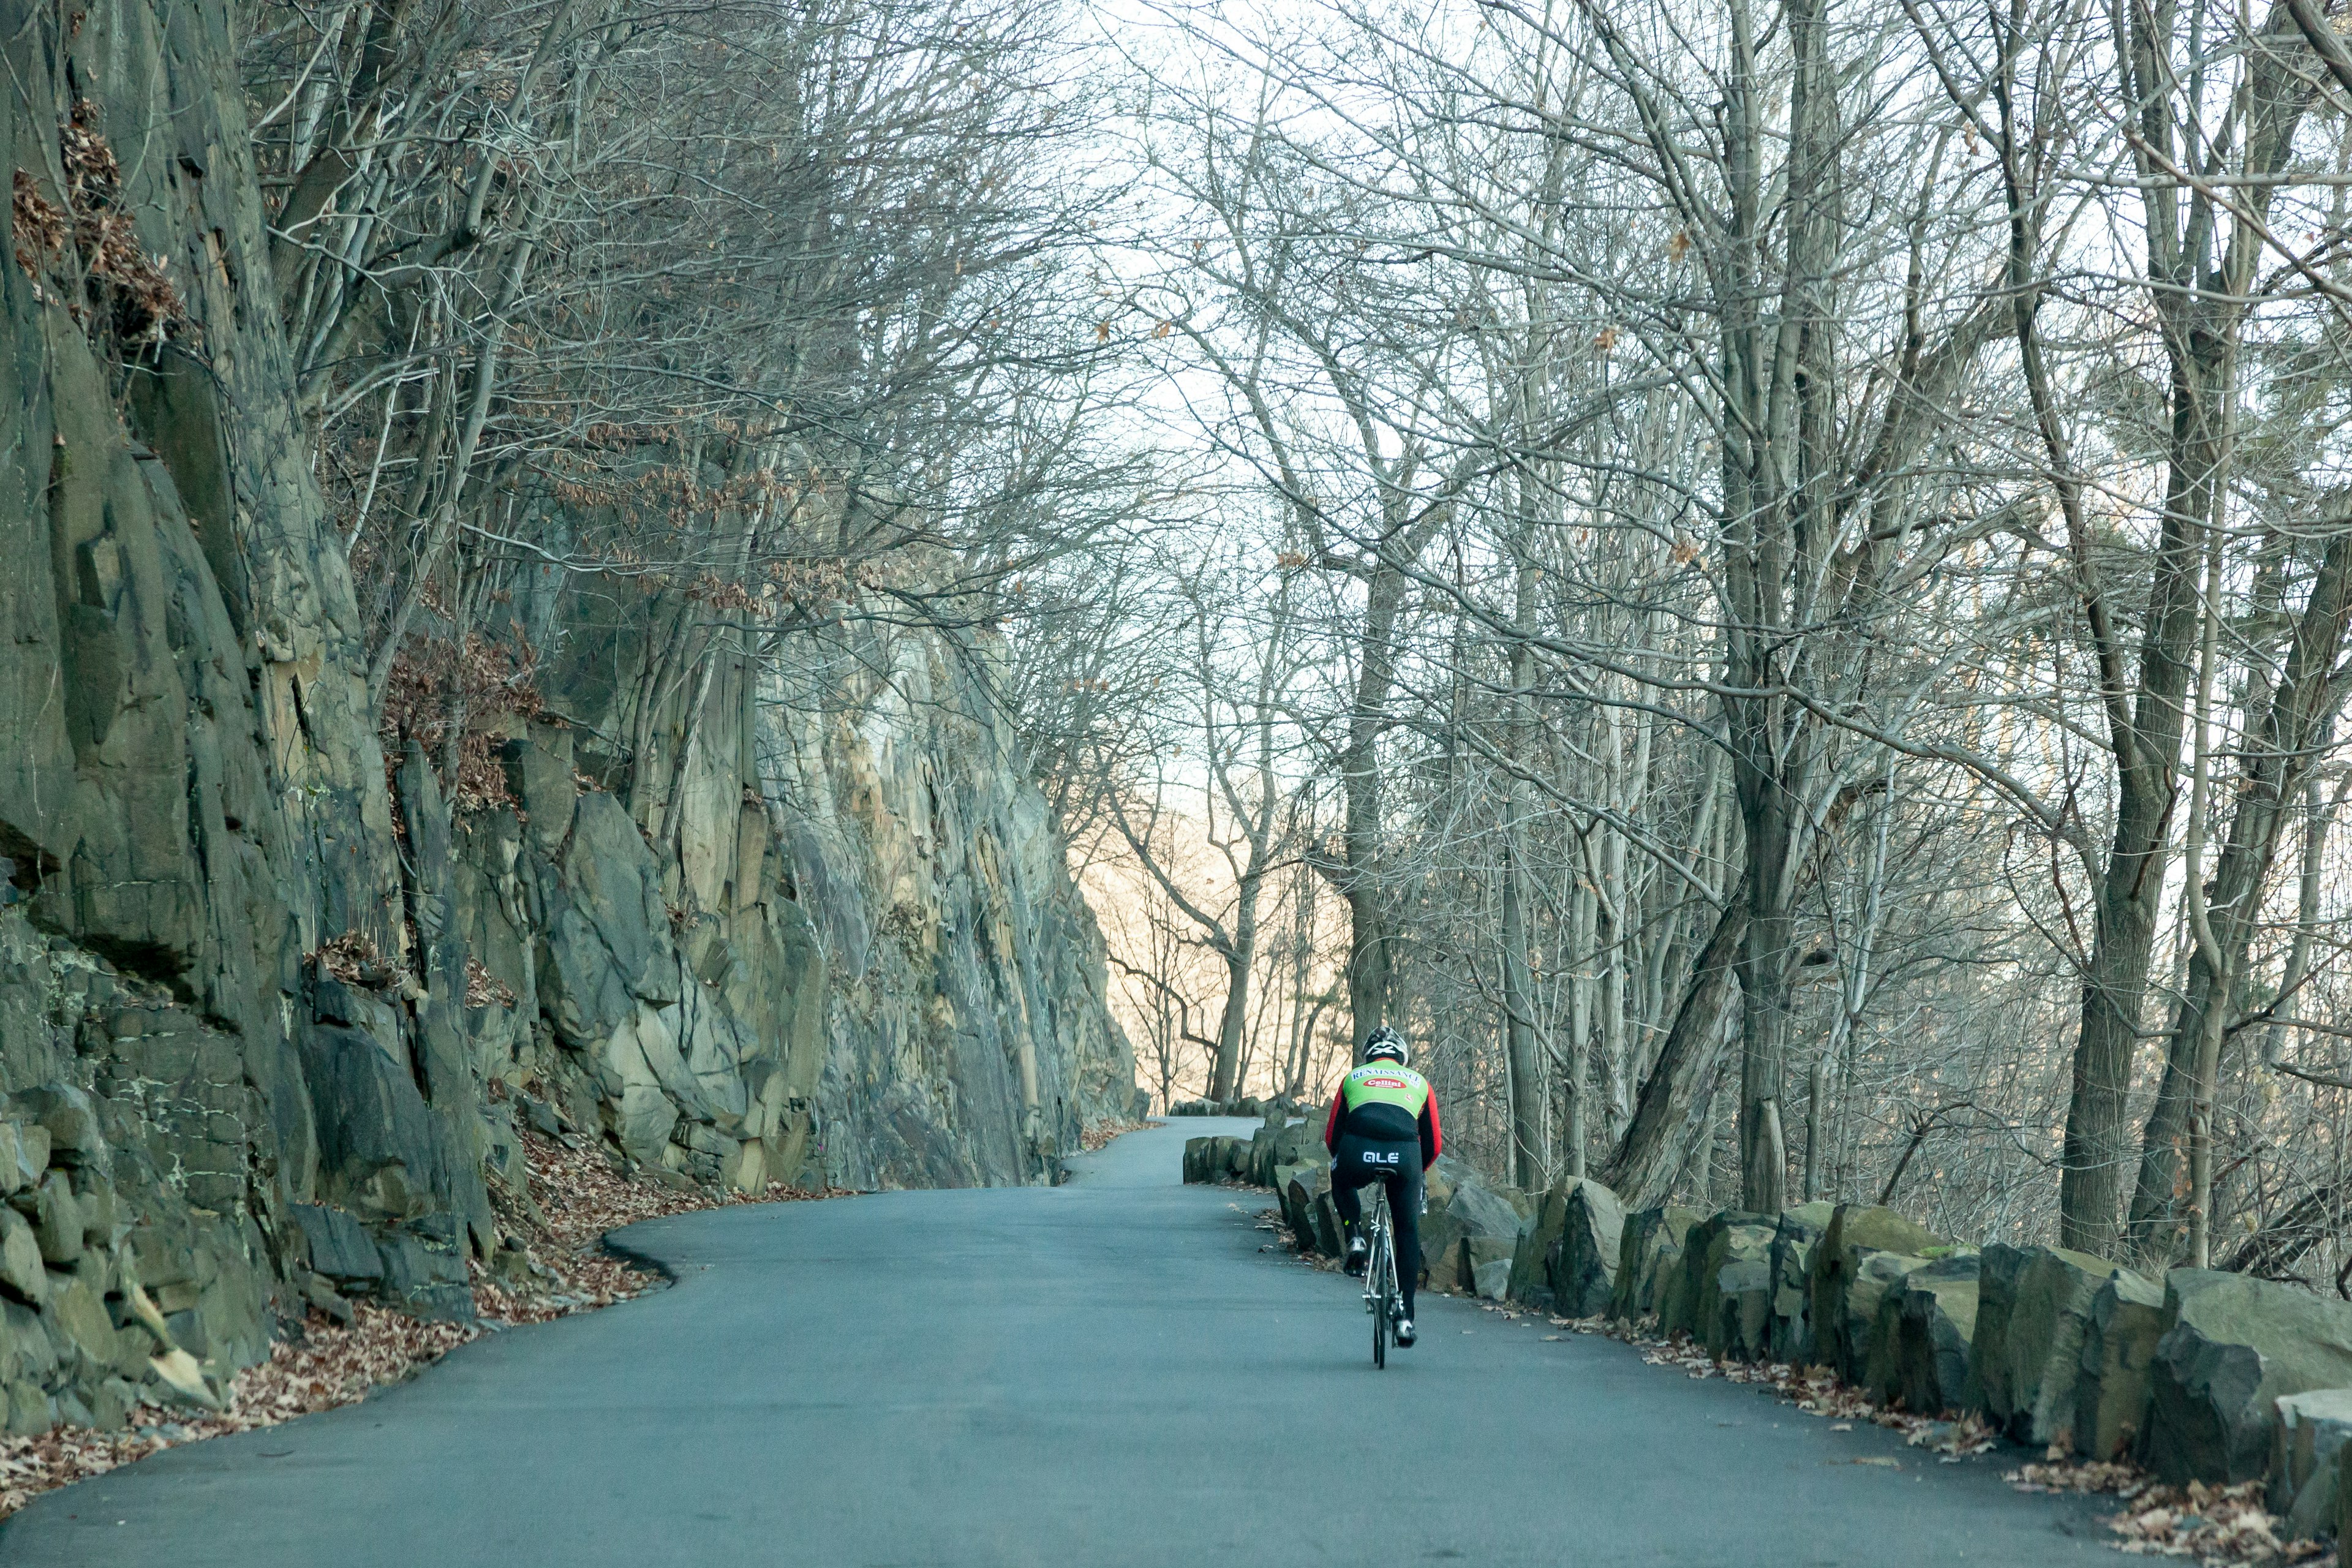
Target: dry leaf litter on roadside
pixel 1097 1135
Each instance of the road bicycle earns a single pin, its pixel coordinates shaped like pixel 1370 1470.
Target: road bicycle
pixel 1382 1300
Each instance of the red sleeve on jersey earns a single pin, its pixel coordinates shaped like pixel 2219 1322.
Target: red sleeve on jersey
pixel 1433 1141
pixel 1331 1127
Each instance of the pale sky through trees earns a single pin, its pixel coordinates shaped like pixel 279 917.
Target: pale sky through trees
pixel 1658 436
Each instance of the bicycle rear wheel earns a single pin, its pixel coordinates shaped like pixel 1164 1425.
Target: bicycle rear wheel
pixel 1382 1269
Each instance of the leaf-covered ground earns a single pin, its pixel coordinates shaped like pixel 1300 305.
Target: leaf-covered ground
pixel 1101 1133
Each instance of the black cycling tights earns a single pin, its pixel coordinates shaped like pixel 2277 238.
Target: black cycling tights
pixel 1359 1163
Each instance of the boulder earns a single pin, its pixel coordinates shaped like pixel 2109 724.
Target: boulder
pixel 1486 1266
pixel 1845 1293
pixel 69 1119
pixel 1445 1173
pixel 1649 1241
pixel 2231 1346
pixel 1666 1291
pixel 2312 1429
pixel 1234 1159
pixel 26 1351
pixel 425 1276
pixel 1531 1280
pixel 1327 1226
pixel 1491 1280
pixel 86 1329
pixel 1999 1268
pixel 1196 1159
pixel 1727 1279
pixel 2341 1518
pixel 337 1246
pixel 1300 1185
pixel 1463 1205
pixel 1930 1320
pixel 23 1154
pixel 57 1221
pixel 1739 1324
pixel 2034 1308
pixel 1582 1261
pixel 1867 1346
pixel 1689 1305
pixel 2111 1381
pixel 1217 1157
pixel 21 1273
pixel 1281 1142
pixel 1789 1335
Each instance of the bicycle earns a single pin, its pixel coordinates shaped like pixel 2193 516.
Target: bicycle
pixel 1382 1300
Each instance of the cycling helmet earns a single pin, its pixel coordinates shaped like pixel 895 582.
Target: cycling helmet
pixel 1384 1044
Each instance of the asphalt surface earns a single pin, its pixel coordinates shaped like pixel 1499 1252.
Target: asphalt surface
pixel 1111 1373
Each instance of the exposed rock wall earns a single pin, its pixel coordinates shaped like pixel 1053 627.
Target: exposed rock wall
pixel 268 1013
pixel 967 1032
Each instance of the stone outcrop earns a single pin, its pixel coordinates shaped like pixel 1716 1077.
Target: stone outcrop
pixel 270 1009
pixel 2231 1346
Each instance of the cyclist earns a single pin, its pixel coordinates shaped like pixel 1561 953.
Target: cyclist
pixel 1383 1127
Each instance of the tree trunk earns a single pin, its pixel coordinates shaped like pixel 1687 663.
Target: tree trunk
pixel 1368 962
pixel 1240 958
pixel 2114 984
pixel 1528 1088
pixel 2277 755
pixel 2198 289
pixel 1647 1161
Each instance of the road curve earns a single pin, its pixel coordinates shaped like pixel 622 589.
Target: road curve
pixel 1108 1375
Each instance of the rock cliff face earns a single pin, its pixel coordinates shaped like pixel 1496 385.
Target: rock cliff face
pixel 267 1009
pixel 969 1034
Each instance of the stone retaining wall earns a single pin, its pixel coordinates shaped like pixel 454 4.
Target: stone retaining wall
pixel 2202 1376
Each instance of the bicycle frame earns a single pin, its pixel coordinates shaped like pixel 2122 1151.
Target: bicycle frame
pixel 1382 1298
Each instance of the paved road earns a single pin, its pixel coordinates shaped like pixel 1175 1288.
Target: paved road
pixel 1108 1374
